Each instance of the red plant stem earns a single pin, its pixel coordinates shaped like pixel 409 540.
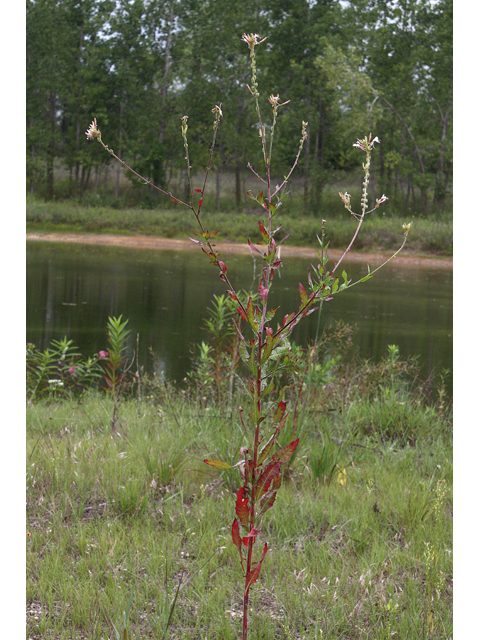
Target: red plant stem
pixel 245 613
pixel 258 383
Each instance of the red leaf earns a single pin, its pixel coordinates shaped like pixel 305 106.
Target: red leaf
pixel 266 478
pixel 237 540
pixel 253 534
pixel 288 318
pixel 267 501
pixel 253 248
pixel 284 454
pixel 252 575
pixel 241 508
pixel 263 231
pixel 242 313
pixel 280 411
pixel 232 295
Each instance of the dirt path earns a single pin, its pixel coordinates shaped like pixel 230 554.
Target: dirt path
pixel 149 242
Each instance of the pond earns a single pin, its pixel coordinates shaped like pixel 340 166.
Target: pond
pixel 72 289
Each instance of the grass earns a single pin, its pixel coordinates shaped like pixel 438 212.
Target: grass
pixel 118 522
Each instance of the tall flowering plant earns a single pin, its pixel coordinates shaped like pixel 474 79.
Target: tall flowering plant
pixel 263 338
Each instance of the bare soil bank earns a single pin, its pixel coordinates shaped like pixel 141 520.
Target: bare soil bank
pixel 149 242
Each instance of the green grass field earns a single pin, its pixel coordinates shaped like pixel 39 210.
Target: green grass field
pixel 379 233
pixel 360 537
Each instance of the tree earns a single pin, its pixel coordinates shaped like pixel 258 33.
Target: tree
pixel 46 39
pixel 299 32
pixel 407 54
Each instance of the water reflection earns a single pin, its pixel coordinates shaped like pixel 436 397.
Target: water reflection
pixel 72 289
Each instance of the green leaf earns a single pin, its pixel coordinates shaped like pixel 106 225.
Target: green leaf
pixel 243 351
pixel 267 350
pixel 252 365
pixel 268 388
pixel 266 449
pixel 303 294
pixel 270 314
pixel 217 464
pixel 251 315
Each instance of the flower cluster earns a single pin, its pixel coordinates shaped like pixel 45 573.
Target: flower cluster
pixel 346 199
pixel 275 101
pixel 93 132
pixel 367 144
pixel 217 110
pixel 406 228
pixel 252 39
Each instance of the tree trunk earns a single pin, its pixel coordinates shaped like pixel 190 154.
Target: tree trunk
pixel 306 177
pixel 217 189
pixel 32 182
pixel 440 178
pixel 51 146
pixel 79 105
pixel 238 185
pixel 238 166
pixel 117 177
pixel 164 89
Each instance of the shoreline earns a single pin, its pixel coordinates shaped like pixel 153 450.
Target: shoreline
pixel 155 242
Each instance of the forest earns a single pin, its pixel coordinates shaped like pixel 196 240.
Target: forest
pixel 139 66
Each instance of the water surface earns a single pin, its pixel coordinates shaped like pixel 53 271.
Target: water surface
pixel 72 289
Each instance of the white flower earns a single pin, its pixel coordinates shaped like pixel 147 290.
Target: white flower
pixel 381 200
pixel 360 145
